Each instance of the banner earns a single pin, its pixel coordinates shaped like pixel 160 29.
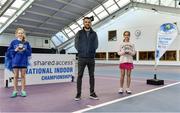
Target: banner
pixel 166 35
pixel 46 68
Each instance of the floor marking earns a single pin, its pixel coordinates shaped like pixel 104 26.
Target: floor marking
pixel 89 106
pixel 124 98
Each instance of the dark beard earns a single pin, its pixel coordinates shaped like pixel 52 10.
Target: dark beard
pixel 87 28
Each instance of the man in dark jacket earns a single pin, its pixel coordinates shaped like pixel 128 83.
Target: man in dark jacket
pixel 86 43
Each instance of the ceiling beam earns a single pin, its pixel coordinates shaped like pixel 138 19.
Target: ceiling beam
pixel 95 1
pixel 30 33
pixel 18 13
pixel 59 10
pixel 6 6
pixel 7 16
pixel 31 26
pixel 53 14
pixel 55 17
pixel 39 34
pixel 39 21
pixel 74 5
pixel 15 8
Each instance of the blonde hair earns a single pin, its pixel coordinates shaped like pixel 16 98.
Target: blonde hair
pixel 21 29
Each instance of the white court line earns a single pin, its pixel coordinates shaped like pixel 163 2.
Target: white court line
pixel 89 106
pixel 124 98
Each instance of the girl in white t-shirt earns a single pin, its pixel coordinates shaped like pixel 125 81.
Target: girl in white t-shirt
pixel 126 52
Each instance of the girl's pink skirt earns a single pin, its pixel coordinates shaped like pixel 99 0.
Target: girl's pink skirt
pixel 127 66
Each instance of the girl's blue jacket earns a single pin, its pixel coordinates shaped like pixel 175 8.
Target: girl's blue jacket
pixel 15 58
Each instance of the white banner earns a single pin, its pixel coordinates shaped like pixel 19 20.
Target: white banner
pixel 47 68
pixel 166 35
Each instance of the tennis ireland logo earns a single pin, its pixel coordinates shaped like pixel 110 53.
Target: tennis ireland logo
pixel 168 28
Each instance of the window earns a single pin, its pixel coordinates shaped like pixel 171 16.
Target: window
pixel 80 22
pixel 77 29
pixel 9 12
pixel 102 14
pixel 110 6
pixel 2 2
pixel 113 8
pixel 99 10
pixel 155 2
pixel 143 56
pixel 67 30
pixel 151 55
pixel 101 56
pixel 61 37
pixel 113 56
pixel 170 3
pixel 177 4
pixel 95 17
pixel 69 46
pixel 108 3
pixel 18 3
pixel 70 34
pixel 74 26
pixel 55 41
pixel 147 55
pixel 169 56
pixel 112 35
pixel 95 20
pixel 142 1
pixel 3 19
pixel 122 3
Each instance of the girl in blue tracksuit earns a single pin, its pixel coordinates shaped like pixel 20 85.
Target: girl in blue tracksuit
pixel 17 60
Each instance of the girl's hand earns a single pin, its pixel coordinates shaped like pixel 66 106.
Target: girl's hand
pixel 17 49
pixel 126 52
pixel 123 53
pixel 20 50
